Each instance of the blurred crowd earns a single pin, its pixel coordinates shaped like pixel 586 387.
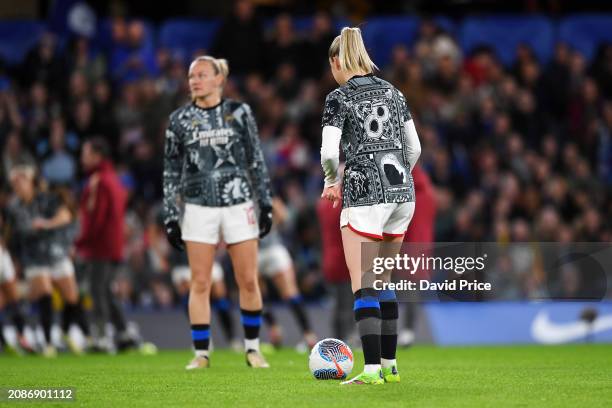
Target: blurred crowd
pixel 515 153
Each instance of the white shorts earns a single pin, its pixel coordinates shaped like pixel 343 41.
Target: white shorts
pixel 376 221
pixel 273 260
pixel 209 225
pixel 183 273
pixel 7 270
pixel 61 269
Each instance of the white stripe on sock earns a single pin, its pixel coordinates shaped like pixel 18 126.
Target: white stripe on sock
pixel 388 363
pixel 251 344
pixel 371 368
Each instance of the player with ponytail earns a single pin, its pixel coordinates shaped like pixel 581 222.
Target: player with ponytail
pixel 368 117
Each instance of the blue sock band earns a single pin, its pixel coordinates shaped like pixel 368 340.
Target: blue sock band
pixel 185 300
pixel 200 334
pixel 366 302
pixel 222 304
pixel 297 299
pixel 250 320
pixel 386 295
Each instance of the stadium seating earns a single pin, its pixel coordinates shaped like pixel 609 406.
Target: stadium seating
pixel 586 32
pixel 187 35
pixel 17 37
pixel 505 33
pixel 383 33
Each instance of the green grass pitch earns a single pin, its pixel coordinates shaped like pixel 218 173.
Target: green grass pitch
pixel 520 376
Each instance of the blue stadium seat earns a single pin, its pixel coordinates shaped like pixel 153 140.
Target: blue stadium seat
pixel 446 24
pixel 302 25
pixel 505 33
pixel 118 55
pixel 104 35
pixel 340 23
pixel 383 33
pixel 586 32
pixel 17 37
pixel 188 35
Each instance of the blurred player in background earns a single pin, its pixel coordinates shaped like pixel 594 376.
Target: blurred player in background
pixel 334 269
pixel 371 119
pixel 276 265
pixel 10 299
pixel 101 240
pixel 214 165
pixel 40 223
pixel 421 231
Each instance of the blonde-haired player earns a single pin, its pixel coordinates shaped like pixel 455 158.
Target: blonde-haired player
pixel 369 118
pixel 217 188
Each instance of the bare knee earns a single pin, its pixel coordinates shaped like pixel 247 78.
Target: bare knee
pixel 249 284
pixel 200 285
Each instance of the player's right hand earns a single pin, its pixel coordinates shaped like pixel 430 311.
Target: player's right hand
pixel 333 194
pixel 173 232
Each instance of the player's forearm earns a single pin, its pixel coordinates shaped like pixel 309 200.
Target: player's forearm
pixel 413 145
pixel 60 219
pixel 261 181
pixel 258 170
pixel 330 154
pixel 171 195
pixel 173 168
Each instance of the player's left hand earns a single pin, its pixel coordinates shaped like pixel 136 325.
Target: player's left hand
pixel 39 223
pixel 265 220
pixel 333 194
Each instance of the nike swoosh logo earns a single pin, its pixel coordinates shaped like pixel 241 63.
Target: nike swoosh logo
pixel 344 350
pixel 546 331
pixel 338 368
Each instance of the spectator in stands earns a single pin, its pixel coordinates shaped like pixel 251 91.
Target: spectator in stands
pixel 59 167
pixel 44 64
pixel 283 46
pixel 240 40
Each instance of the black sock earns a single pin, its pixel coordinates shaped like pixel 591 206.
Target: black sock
pixel 17 316
pixel 251 322
pixel 67 317
pixel 2 339
pixel 388 328
pixel 185 303
pixel 297 307
pixel 45 308
pixel 367 316
pixel 81 320
pixel 269 317
pixel 200 334
pixel 223 308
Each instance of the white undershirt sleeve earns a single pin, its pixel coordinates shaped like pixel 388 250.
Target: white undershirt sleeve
pixel 330 154
pixel 413 148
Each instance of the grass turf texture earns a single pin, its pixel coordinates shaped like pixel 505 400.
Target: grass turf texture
pixel 521 376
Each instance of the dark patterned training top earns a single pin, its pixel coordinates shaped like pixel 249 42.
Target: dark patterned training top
pixel 41 247
pixel 371 114
pixel 213 158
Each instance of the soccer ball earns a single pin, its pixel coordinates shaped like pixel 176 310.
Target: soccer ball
pixel 330 359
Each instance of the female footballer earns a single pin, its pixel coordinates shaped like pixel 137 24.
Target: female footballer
pixel 369 118
pixel 214 169
pixel 41 226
